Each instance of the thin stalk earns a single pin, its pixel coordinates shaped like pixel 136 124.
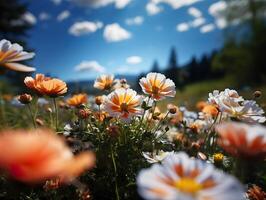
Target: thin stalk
pixel 32 116
pixel 2 108
pixel 56 114
pixel 160 122
pixel 115 169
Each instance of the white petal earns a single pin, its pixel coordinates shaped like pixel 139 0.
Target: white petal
pixel 19 67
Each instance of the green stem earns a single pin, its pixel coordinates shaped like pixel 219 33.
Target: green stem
pixel 2 108
pixel 56 114
pixel 115 169
pixel 32 116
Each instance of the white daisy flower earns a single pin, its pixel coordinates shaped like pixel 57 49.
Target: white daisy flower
pixel 157 86
pixel 123 103
pixel 182 178
pixel 156 156
pixel 249 112
pixel 10 54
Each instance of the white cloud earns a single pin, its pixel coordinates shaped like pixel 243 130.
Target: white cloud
pixel 153 9
pixel 207 28
pixel 84 27
pixel 63 15
pixel 29 18
pixel 119 4
pixel 217 11
pixel 44 16
pixel 221 23
pixel 217 8
pixel 89 66
pixel 197 22
pixel 115 33
pixel 138 20
pixel 194 12
pixel 56 2
pixel 182 27
pixel 134 60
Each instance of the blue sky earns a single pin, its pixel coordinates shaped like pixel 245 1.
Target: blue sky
pixel 79 39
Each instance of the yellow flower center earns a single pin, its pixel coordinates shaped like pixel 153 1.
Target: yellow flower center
pixel 124 107
pixel 218 157
pixel 188 185
pixel 155 90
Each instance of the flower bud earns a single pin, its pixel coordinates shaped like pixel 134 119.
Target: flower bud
pixel 201 156
pixel 218 158
pixel 172 108
pixel 84 113
pixel 257 94
pixel 25 98
pixel 49 109
pixel 39 122
pixel 99 100
pixel 113 130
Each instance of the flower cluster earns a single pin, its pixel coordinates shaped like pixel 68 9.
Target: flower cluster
pixel 125 143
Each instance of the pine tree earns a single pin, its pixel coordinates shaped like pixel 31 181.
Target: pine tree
pixel 172 70
pixel 155 67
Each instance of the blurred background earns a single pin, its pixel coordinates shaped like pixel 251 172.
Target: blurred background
pixel 200 44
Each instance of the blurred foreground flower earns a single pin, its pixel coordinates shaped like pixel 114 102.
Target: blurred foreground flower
pixel 157 86
pixel 77 100
pixel 104 82
pixel 123 103
pixel 180 177
pixel 10 54
pixel 242 140
pixel 38 155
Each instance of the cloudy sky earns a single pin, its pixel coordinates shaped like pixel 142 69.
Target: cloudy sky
pixel 79 39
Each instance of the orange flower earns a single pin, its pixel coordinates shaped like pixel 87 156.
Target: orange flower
pixel 38 155
pixel 157 86
pixel 52 87
pixel 201 104
pixel 123 103
pixel 210 110
pixel 104 82
pixel 77 100
pixel 10 54
pixel 32 83
pixel 242 140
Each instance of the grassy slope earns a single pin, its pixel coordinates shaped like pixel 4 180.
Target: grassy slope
pixel 199 91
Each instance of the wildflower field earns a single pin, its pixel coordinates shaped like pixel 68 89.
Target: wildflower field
pixel 127 145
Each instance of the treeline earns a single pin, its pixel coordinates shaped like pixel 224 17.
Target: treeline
pixel 197 69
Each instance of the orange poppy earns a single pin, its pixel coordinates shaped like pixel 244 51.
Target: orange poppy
pixel 38 155
pixel 77 100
